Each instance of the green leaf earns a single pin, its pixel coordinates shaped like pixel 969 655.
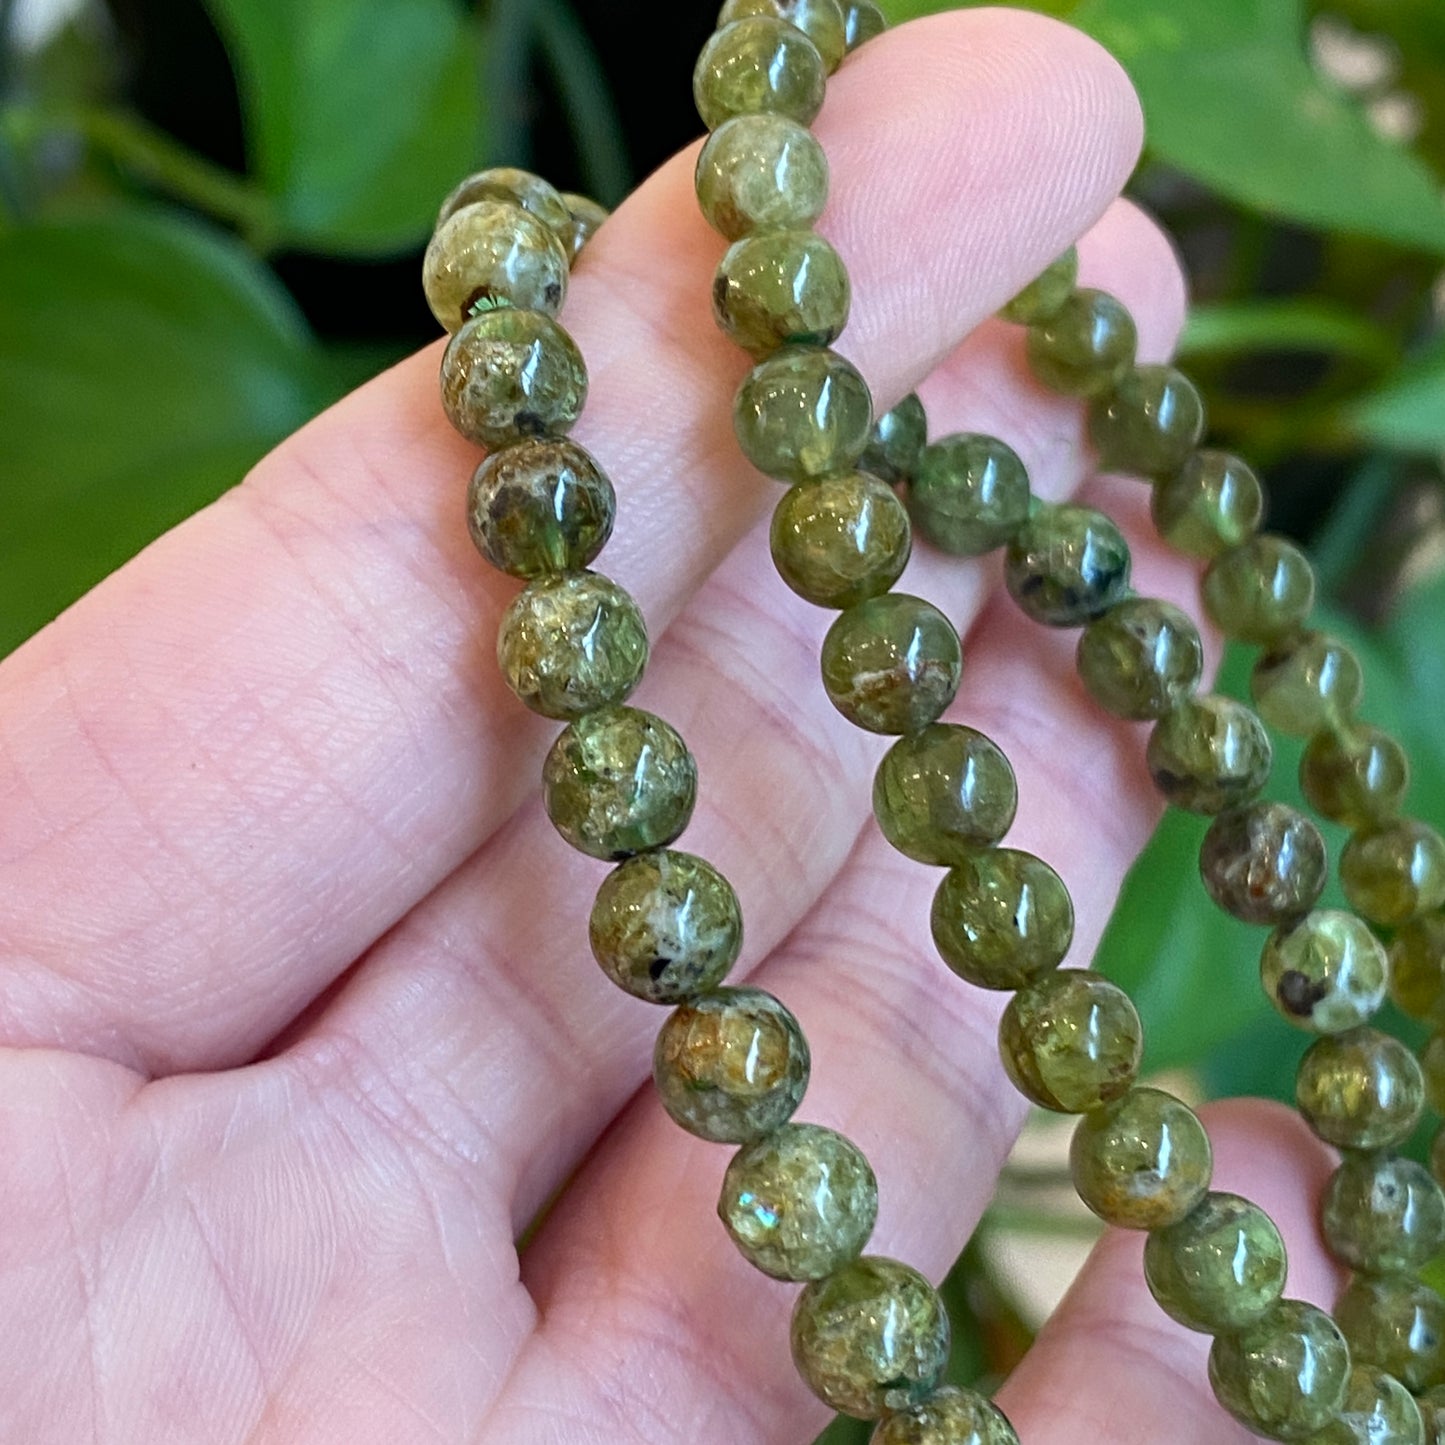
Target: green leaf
pixel 1230 328
pixel 145 363
pixel 360 114
pixel 1409 412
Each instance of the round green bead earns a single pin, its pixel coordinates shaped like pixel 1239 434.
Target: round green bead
pixel 1360 1090
pixel 619 781
pixel 1285 1375
pixel 666 926
pixel 1143 1162
pixel 731 1065
pixel 1307 683
pixel 493 254
pixel 870 1338
pixel 1264 862
pixel 512 374
pixel 584 219
pixel 896 442
pixel 840 540
pixel 1141 659
pixel 1220 1268
pixel 1212 504
pixel 1085 347
pixel 1394 872
pixel 759 64
pixel 820 20
pixel 943 794
pixel 1377 1410
pixel 1432 1413
pixel 1067 565
pixel 514 187
pixel 781 288
pixel 570 644
pixel 1002 917
pixel 1071 1041
pixel 799 1203
pixel 1209 754
pixel 1432 1067
pixel 1260 591
pixel 803 412
pixel 970 494
pixel 892 664
pixel 761 173
pixel 862 21
pixel 1325 973
pixel 948 1416
pixel 1417 969
pixel 1357 777
pixel 1149 423
pixel 1382 1214
pixel 1043 298
pixel 542 506
pixel 1396 1323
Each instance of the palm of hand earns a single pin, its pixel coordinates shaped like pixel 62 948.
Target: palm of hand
pixel 301 1030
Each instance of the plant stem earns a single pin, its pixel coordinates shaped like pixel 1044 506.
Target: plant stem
pixel 505 68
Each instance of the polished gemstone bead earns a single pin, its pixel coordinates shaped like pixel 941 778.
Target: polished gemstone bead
pixel 1212 504
pixel 1085 347
pixel 947 1416
pixel 761 173
pixel 1285 1375
pixel 1417 969
pixel 840 540
pixel 1220 1268
pixel 492 254
pixel 1149 423
pixel 1377 1410
pixel 803 412
pixel 619 781
pixel 1264 862
pixel 862 20
pixel 1002 917
pixel 892 664
pixel 1043 298
pixel 1143 1162
pixel 970 494
pixel 1432 1067
pixel 1360 1090
pixel 584 220
pixel 820 20
pixel 666 926
pixel 799 1203
pixel 1209 754
pixel 572 643
pixel 1071 1041
pixel 1325 972
pixel 1394 872
pixel 514 187
pixel 1397 1323
pixel 871 1337
pixel 1432 1415
pixel 780 288
pixel 1261 590
pixel 760 64
pixel 1383 1214
pixel 512 374
pixel 542 506
pixel 1067 565
pixel 1307 683
pixel 731 1065
pixel 896 442
pixel 1141 659
pixel 943 794
pixel 1356 777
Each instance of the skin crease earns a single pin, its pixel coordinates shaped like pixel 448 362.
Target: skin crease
pixel 292 1056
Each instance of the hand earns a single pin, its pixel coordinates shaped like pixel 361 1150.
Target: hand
pixel 302 1028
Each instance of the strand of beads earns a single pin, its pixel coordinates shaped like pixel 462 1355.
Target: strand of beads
pixel 944 794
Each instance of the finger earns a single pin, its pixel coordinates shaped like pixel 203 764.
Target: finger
pixel 530 1050
pixel 236 764
pixel 1110 1365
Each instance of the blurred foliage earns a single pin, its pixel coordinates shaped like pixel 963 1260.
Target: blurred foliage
pixel 211 215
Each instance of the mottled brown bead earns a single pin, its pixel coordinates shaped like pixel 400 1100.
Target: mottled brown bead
pixel 1394 872
pixel 1209 754
pixel 1355 777
pixel 1264 863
